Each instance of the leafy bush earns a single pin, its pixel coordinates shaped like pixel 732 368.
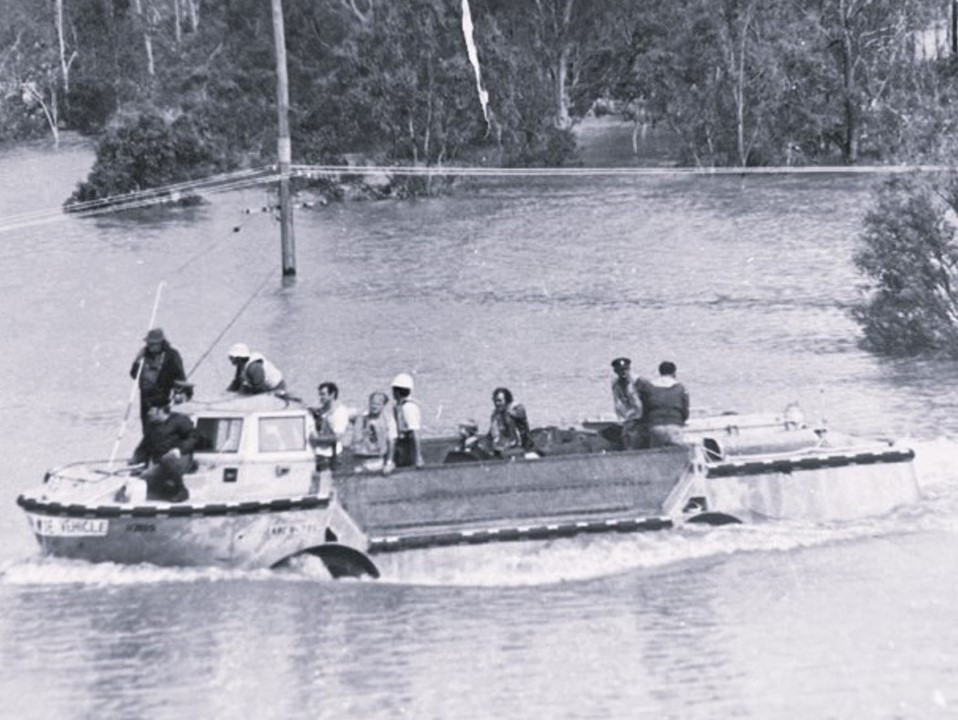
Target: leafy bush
pixel 145 151
pixel 910 255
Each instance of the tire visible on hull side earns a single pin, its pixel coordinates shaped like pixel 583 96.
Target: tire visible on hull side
pixel 714 518
pixel 340 560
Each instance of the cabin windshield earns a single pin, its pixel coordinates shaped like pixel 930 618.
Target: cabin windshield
pixel 282 434
pixel 220 435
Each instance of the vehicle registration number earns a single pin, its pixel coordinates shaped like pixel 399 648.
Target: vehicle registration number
pixel 69 527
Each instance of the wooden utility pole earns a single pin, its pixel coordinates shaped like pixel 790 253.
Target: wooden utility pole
pixel 284 150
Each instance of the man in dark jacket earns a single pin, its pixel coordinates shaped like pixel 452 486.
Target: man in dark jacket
pixel 170 442
pixel 158 366
pixel 666 406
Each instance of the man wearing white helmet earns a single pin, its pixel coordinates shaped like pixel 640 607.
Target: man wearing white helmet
pixel 407 450
pixel 254 373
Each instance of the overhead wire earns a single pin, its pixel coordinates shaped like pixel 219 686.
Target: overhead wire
pixel 253 177
pixel 142 198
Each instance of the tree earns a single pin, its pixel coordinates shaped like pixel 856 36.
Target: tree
pixel 868 41
pixel 909 254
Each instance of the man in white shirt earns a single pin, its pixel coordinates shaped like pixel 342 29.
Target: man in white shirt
pixel 407 450
pixel 332 422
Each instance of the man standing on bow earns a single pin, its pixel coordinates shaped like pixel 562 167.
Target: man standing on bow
pixel 158 366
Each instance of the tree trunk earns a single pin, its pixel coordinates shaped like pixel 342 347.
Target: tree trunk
pixel 147 38
pixel 562 95
pixel 850 149
pixel 194 14
pixel 64 64
pixel 177 29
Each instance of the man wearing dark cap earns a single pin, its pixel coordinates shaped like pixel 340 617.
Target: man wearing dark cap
pixel 182 392
pixel 171 441
pixel 628 406
pixel 158 366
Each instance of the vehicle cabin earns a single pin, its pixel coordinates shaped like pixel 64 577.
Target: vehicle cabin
pixel 250 446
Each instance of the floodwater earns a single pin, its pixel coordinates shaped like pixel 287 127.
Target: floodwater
pixel 534 284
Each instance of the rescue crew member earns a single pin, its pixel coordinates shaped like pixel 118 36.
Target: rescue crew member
pixel 508 425
pixel 407 450
pixel 332 422
pixel 162 367
pixel 172 439
pixel 666 403
pixel 374 434
pixel 628 405
pixel 254 373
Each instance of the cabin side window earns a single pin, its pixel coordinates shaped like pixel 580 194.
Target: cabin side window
pixel 282 434
pixel 219 435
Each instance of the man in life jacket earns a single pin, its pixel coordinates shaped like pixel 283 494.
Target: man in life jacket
pixel 332 422
pixel 628 405
pixel 158 366
pixel 254 373
pixel 407 450
pixel 508 426
pixel 374 434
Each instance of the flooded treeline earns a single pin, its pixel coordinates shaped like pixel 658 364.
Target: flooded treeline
pixel 187 88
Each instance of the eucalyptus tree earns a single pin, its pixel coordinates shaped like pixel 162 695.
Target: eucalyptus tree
pixel 871 45
pixel 30 90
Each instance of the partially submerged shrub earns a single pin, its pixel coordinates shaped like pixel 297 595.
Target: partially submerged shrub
pixel 909 253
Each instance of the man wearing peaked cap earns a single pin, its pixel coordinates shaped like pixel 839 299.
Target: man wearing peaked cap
pixel 628 406
pixel 157 367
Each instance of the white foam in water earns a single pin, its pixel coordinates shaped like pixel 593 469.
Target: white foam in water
pixel 936 461
pixel 59 571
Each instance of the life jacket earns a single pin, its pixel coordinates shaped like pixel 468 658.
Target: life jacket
pixel 152 367
pixel 272 376
pixel 510 428
pixel 401 426
pixel 370 436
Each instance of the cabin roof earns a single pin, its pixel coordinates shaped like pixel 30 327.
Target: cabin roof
pixel 240 404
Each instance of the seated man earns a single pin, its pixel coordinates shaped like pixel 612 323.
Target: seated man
pixel 171 441
pixel 471 446
pixel 508 426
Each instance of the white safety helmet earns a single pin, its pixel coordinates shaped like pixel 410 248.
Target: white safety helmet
pixel 403 380
pixel 239 350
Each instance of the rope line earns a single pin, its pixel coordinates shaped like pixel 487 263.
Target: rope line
pixel 132 201
pixel 259 288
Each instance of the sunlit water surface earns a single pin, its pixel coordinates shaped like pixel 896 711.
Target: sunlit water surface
pixel 745 283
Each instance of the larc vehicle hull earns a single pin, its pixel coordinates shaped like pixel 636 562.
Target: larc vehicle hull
pixel 247 534
pixel 256 501
pixel 503 500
